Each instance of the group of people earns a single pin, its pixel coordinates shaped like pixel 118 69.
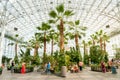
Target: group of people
pixel 110 66
pixel 76 68
pixel 23 69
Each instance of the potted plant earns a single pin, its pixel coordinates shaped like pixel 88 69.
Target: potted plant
pixel 1 70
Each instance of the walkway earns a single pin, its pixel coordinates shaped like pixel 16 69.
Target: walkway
pixel 84 75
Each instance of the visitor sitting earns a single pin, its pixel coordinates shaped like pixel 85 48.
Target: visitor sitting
pixel 74 68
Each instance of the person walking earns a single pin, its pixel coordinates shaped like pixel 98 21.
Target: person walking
pixel 80 65
pixel 12 67
pixel 48 67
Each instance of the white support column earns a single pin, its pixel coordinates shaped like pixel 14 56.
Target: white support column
pixel 2 44
pixel 3 22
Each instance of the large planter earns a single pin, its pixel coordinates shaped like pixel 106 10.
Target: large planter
pixel 63 71
pixel 97 68
pixel 28 69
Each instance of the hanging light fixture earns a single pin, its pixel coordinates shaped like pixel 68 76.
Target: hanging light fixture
pixel 107 26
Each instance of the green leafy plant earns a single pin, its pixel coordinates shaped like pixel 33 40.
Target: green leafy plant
pixel 75 56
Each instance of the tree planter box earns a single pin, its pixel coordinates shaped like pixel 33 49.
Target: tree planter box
pixel 97 68
pixel 28 69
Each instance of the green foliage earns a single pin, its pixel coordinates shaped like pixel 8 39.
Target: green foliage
pixel 105 57
pixel 16 35
pixel 75 56
pixel 68 13
pixel 117 54
pixel 26 57
pixel 5 59
pixel 1 68
pixel 86 59
pixel 60 8
pixel 96 54
pixel 77 22
pixel 36 60
pixel 51 21
pixel 53 14
pixel 16 60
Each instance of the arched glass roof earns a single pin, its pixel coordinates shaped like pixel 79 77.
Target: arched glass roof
pixel 26 15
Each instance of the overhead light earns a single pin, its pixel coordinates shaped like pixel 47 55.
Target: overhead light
pixel 107 26
pixel 69 1
pixel 15 29
pixel 51 2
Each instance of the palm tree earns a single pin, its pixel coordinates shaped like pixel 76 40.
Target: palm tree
pixel 105 39
pixel 78 32
pixel 84 46
pixel 58 15
pixel 54 38
pixel 35 43
pixel 102 37
pixel 44 29
pixel 94 39
pixel 16 47
pixel 86 56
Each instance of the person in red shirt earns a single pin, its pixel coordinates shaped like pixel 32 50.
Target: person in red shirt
pixel 23 68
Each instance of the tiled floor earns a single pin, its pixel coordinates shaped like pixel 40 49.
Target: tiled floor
pixel 86 74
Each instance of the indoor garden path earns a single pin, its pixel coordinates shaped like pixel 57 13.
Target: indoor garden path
pixel 86 74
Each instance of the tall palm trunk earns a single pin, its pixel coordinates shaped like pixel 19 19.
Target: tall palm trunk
pixel 84 49
pixel 36 49
pixel 101 43
pixel 44 44
pixel 76 42
pixel 93 42
pixel 15 49
pixel 61 36
pixel 52 43
pixel 104 46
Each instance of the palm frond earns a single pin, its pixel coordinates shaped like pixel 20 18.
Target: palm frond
pixel 58 27
pixel 70 23
pixel 60 8
pixel 68 13
pixel 11 44
pixel 77 22
pixel 83 28
pixel 45 26
pixel 51 21
pixel 39 28
pixel 53 14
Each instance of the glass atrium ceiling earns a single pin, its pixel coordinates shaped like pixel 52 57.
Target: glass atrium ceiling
pixel 26 15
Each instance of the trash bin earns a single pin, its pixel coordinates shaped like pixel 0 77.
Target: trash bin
pixel 113 69
pixel 63 71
